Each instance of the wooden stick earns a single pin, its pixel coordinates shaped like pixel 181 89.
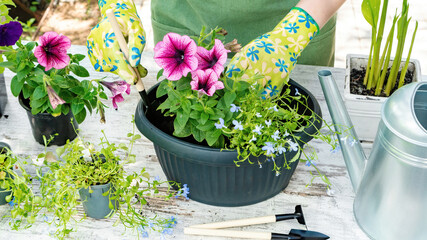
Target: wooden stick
pixel 237 223
pixel 227 233
pixel 123 46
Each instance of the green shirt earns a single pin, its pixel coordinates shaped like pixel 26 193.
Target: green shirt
pixel 244 20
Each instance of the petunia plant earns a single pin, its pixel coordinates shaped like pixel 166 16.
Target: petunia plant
pixel 230 113
pixel 50 79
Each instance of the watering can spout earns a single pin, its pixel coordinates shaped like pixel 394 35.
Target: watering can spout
pixel 352 151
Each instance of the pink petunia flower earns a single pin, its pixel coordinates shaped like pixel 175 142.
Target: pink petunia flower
pixel 52 51
pixel 206 82
pixel 54 99
pixel 117 88
pixel 212 59
pixel 176 54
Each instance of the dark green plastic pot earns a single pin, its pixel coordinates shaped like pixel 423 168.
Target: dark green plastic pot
pixel 95 204
pixel 211 174
pixel 3 193
pixel 44 124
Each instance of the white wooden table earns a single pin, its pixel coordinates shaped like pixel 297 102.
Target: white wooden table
pixel 331 213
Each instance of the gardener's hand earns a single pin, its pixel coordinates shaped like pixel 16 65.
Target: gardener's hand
pixel 103 49
pixel 274 54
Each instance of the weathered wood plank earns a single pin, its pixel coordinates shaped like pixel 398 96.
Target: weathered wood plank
pixel 328 213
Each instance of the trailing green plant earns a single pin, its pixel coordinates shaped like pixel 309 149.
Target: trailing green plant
pixel 83 165
pixel 377 68
pixel 25 204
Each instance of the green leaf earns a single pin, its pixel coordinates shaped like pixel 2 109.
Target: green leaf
pixel 212 136
pixel 30 46
pixel 78 90
pixel 212 102
pixel 204 118
pixel 181 119
pixel 22 74
pixel 38 93
pixel 371 10
pixel 79 70
pixel 80 117
pixel 186 106
pixel 197 107
pixel 79 57
pixel 159 74
pixel 184 132
pixel 8 2
pixel 16 86
pixel 165 105
pixel 229 97
pixel 195 115
pixel 27 91
pixel 77 107
pixel 7 64
pixel 207 126
pixel 197 134
pixel 162 89
pixel 62 82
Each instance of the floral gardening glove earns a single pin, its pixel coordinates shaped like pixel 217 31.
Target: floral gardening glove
pixel 103 49
pixel 274 54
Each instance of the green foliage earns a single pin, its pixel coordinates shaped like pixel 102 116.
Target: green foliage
pixel 31 81
pixel 83 165
pixel 377 67
pixel 25 203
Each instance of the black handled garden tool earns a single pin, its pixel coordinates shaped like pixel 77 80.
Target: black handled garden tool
pixel 294 234
pixel 123 46
pixel 298 215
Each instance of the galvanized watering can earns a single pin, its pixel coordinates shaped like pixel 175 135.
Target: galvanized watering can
pixel 390 186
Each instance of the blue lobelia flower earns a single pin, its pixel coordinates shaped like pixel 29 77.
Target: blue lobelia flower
pixel 267 47
pixel 297 93
pixel 258 129
pixel 234 108
pixel 276 136
pixel 143 232
pixel 237 125
pixel 292 28
pixel 293 145
pixel 253 54
pixel 280 149
pixel 12 203
pixel 184 191
pixel 269 148
pixel 220 124
pixel 268 123
pixel 109 39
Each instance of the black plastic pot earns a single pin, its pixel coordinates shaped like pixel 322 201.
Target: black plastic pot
pixel 3 95
pixel 44 124
pixel 210 173
pixel 95 204
pixel 3 193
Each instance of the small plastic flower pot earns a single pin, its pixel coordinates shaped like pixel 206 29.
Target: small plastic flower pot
pixel 3 95
pixel 3 192
pixel 44 124
pixel 210 173
pixel 95 204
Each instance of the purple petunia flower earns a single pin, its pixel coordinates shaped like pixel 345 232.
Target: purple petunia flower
pixel 52 51
pixel 176 54
pixel 54 99
pixel 212 59
pixel 117 88
pixel 206 82
pixel 10 33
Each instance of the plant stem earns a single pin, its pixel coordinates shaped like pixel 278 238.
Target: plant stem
pixel 405 68
pixel 384 65
pixel 402 27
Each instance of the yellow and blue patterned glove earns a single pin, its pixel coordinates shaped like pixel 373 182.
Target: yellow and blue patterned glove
pixel 103 49
pixel 274 54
